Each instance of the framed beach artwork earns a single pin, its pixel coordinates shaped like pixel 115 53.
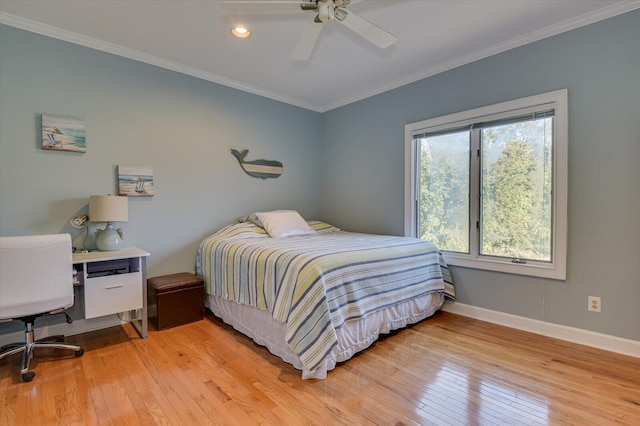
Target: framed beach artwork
pixel 135 181
pixel 63 134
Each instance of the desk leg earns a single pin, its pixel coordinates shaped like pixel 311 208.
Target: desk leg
pixel 142 326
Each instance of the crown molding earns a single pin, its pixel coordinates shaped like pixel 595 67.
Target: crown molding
pixel 114 49
pixel 614 9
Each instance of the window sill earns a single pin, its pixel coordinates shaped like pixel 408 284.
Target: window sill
pixel 541 270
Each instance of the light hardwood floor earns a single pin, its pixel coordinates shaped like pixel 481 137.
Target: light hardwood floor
pixel 448 370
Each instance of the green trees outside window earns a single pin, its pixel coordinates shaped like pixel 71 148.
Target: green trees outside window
pixel 489 186
pixel 444 191
pixel 515 189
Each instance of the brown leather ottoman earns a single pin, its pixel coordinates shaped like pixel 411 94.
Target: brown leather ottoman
pixel 175 299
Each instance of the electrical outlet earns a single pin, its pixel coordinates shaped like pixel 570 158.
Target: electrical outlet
pixel 595 304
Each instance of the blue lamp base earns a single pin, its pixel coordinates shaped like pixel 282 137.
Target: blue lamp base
pixel 109 239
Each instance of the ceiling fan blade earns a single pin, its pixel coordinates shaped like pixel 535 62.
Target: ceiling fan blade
pixel 261 7
pixel 307 42
pixel 366 29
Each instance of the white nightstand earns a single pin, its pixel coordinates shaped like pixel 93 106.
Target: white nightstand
pixel 114 282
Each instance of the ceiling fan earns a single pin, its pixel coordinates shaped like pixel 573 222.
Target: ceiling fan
pixel 327 11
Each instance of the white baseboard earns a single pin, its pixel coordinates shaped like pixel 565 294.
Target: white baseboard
pixel 76 327
pixel 570 334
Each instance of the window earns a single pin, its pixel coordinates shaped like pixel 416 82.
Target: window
pixel 489 186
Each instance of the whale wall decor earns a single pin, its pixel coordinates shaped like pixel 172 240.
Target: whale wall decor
pixel 258 168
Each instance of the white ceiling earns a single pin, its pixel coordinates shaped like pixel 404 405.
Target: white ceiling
pixel 193 37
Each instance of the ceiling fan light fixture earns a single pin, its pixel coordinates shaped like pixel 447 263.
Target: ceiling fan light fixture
pixel 326 11
pixel 241 32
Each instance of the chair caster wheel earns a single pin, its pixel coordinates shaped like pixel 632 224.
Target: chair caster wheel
pixel 80 352
pixel 28 376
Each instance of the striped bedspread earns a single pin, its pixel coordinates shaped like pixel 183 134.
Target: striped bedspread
pixel 314 284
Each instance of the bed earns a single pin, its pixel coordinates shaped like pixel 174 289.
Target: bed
pixel 313 294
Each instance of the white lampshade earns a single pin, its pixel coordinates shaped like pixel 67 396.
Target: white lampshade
pixel 108 208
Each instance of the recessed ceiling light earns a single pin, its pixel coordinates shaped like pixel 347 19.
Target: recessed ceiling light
pixel 240 32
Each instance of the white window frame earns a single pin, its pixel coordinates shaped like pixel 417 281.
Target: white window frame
pixel 558 100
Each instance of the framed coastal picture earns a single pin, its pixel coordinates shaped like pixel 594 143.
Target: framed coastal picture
pixel 63 134
pixel 135 181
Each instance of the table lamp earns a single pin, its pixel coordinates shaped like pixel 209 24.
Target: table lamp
pixel 108 208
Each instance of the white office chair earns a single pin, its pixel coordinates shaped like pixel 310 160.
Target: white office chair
pixel 36 279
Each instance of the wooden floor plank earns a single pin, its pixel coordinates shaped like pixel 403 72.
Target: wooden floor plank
pixel 447 370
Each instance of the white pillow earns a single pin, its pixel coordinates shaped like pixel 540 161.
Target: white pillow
pixel 284 223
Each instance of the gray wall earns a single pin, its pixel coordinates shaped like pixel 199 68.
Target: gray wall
pixel 141 115
pixel 600 67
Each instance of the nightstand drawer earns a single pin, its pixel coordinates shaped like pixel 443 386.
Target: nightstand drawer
pixel 111 294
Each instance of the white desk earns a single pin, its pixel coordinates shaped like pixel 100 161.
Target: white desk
pixel 114 282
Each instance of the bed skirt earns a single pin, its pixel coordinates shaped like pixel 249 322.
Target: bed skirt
pixel 353 337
